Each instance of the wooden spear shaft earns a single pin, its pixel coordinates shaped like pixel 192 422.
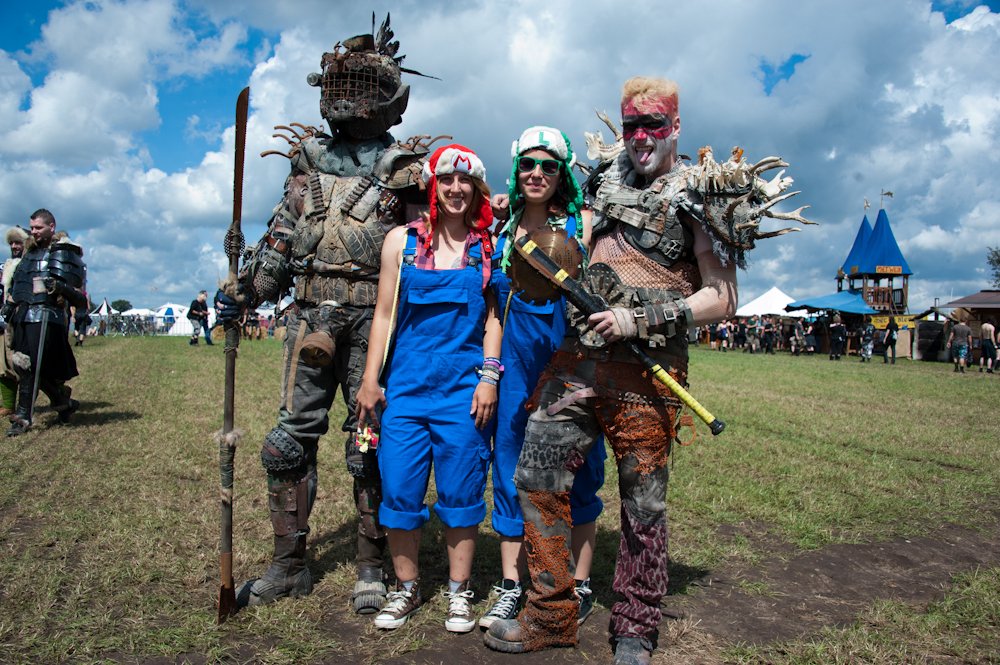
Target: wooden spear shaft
pixel 227 448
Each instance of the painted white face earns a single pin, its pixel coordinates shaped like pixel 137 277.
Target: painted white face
pixel 650 140
pixel 455 191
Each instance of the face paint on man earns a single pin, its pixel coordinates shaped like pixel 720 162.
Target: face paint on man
pixel 650 136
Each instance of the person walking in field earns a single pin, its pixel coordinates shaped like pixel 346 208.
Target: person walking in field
pixel 958 343
pixel 198 316
pixel 867 336
pixel 48 278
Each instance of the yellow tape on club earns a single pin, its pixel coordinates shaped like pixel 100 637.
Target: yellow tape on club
pixel 686 397
pixel 541 262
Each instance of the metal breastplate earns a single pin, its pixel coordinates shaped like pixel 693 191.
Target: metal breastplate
pixel 34 265
pixel 648 217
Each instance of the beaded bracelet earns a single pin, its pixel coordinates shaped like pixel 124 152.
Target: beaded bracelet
pixel 486 379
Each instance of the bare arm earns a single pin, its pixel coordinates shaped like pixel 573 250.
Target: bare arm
pixel 370 393
pixel 715 301
pixel 484 399
pixel 586 218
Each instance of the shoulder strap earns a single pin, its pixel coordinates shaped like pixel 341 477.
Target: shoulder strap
pixel 409 251
pixel 476 254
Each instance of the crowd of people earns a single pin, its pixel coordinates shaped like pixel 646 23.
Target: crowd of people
pixel 768 334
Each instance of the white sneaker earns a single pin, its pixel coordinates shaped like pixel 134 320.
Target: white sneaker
pixel 505 607
pixel 460 619
pixel 399 605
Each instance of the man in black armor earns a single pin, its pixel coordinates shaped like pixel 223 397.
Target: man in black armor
pixel 49 277
pixel 343 194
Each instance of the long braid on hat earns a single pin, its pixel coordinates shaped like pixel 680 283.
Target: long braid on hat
pixel 455 158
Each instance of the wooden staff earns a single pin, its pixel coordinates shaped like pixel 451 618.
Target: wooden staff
pixel 229 438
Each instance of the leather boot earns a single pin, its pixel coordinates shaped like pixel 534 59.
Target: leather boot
pixel 21 420
pixel 288 576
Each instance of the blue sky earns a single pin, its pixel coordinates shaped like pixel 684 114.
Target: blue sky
pixel 117 115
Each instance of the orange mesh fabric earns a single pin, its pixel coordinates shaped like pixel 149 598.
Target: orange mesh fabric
pixel 636 269
pixel 553 506
pixel 549 617
pixel 637 429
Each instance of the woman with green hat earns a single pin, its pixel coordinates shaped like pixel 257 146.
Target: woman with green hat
pixel 542 192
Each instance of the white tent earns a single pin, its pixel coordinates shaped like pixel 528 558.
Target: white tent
pixel 771 303
pixel 137 311
pixel 104 309
pixel 172 319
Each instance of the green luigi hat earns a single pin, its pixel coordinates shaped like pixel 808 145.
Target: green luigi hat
pixel 557 144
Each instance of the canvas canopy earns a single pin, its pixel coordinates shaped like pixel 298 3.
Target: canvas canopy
pixel 853 260
pixel 772 302
pixel 843 301
pixel 104 310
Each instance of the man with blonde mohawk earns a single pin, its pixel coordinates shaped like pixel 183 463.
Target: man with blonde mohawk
pixel 662 269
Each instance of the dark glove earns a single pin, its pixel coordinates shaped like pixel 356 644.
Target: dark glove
pixel 8 311
pixel 227 309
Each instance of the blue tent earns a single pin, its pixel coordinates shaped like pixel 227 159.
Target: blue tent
pixel 858 249
pixel 842 301
pixel 882 254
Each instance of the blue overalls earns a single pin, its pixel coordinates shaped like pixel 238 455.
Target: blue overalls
pixel 430 380
pixel 531 335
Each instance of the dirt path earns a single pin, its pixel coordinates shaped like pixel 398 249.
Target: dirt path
pixel 782 599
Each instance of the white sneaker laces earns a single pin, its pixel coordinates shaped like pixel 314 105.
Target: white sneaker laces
pixel 458 603
pixel 396 601
pixel 506 601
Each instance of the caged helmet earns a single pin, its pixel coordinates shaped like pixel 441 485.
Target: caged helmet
pixel 362 92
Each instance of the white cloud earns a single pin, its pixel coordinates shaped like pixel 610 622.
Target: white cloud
pixel 890 97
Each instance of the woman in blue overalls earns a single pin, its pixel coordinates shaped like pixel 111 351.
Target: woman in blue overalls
pixel 446 329
pixel 542 192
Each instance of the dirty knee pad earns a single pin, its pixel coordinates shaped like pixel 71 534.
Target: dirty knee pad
pixel 644 494
pixel 281 453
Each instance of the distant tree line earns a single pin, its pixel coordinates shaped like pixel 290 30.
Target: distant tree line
pixel 993 258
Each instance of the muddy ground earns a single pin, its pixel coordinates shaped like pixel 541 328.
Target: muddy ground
pixel 790 595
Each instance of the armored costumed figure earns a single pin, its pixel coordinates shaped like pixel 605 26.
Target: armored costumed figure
pixel 344 192
pixel 669 238
pixel 47 280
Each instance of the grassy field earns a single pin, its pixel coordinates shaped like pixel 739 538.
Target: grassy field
pixel 109 527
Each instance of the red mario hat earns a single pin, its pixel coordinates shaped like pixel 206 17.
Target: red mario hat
pixel 456 158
